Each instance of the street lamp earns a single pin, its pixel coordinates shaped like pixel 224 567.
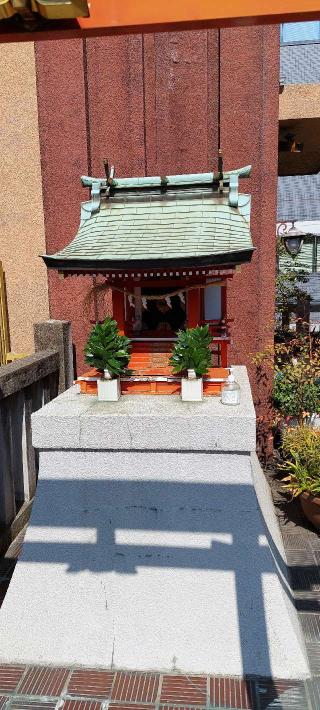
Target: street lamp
pixel 293 240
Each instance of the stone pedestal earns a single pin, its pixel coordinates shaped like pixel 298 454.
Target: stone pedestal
pixel 146 547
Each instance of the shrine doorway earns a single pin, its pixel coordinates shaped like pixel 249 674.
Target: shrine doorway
pixel 156 315
pixel 162 317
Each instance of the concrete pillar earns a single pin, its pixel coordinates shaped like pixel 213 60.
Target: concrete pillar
pixel 56 334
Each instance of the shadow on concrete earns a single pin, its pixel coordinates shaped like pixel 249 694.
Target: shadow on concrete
pixel 131 531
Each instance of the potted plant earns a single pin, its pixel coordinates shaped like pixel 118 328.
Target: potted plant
pixel 192 355
pixel 301 453
pixel 108 352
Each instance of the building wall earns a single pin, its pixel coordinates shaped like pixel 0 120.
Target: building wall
pixel 300 63
pixel 300 101
pixel 22 236
pixel 150 104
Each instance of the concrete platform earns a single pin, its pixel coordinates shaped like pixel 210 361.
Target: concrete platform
pixel 141 555
pixel 74 421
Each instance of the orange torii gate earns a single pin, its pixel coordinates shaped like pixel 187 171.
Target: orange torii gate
pixel 45 19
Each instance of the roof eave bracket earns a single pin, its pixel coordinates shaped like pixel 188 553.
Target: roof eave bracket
pixel 97 186
pixel 233 195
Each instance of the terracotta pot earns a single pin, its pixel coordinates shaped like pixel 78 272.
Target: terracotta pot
pixel 311 507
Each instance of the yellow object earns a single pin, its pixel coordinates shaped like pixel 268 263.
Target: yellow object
pixel 49 9
pixel 5 355
pixel 6 9
pixel 4 331
pixel 60 9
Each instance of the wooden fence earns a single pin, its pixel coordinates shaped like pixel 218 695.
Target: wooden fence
pixel 25 386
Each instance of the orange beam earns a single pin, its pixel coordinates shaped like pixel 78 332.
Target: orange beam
pixel 126 16
pixel 143 14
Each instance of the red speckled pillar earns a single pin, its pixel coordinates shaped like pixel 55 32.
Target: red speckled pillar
pixel 116 104
pixel 249 134
pixel 153 102
pixel 181 101
pixel 64 158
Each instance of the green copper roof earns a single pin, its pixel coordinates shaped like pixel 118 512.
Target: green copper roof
pixel 193 224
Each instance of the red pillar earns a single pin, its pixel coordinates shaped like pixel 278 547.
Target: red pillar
pixel 118 309
pixel 223 354
pixel 194 307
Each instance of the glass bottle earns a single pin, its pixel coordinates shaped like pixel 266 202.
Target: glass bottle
pixel 230 393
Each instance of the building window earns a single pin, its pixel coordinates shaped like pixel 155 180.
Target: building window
pixel 212 303
pixel 300 32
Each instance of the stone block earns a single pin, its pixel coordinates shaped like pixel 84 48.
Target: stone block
pixel 148 422
pixel 57 425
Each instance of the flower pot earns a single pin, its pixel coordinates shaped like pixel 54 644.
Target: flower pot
pixel 109 390
pixel 191 390
pixel 311 507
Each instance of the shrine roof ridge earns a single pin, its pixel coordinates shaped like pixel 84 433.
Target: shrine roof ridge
pixel 164 182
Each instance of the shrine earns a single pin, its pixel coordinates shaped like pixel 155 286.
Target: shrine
pixel 148 511
pixel 166 247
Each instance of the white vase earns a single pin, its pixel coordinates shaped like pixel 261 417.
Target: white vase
pixel 109 390
pixel 191 374
pixel 191 390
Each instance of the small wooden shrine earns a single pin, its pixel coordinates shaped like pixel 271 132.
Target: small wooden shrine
pixel 167 247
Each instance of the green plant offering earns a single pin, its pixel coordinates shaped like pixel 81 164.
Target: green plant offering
pixel 301 451
pixel 106 349
pixel 192 351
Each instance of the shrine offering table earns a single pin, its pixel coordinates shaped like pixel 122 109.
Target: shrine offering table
pixel 147 548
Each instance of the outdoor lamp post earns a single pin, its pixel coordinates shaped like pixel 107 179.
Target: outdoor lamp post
pixel 293 240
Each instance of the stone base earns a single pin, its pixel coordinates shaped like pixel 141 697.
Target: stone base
pixel 150 557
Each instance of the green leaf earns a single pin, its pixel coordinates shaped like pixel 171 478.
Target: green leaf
pixel 107 349
pixel 192 351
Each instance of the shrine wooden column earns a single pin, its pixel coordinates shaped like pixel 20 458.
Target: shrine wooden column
pixel 223 354
pixel 118 309
pixel 224 345
pixel 194 308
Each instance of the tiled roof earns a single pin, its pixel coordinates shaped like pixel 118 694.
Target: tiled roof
pixel 300 63
pixel 153 228
pixel 298 198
